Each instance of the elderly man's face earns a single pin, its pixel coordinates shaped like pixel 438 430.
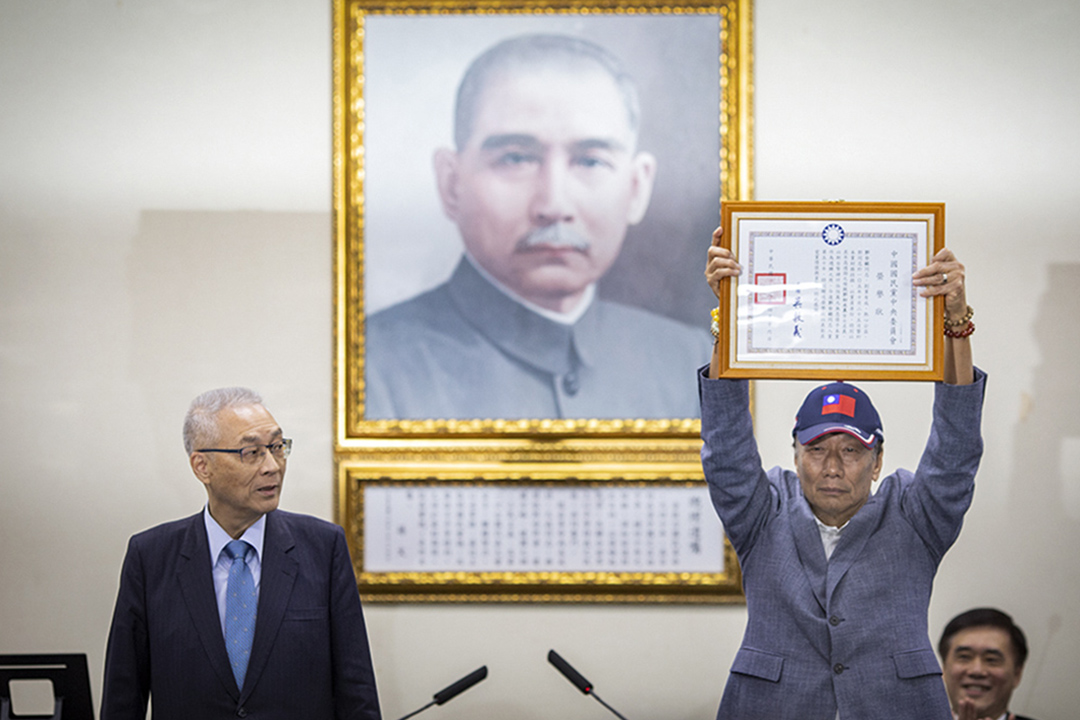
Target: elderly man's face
pixel 548 182
pixel 239 493
pixel 980 671
pixel 836 472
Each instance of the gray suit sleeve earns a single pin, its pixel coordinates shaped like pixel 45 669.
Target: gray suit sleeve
pixel 739 487
pixel 944 482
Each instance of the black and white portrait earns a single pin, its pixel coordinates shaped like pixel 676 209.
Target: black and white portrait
pixel 539 193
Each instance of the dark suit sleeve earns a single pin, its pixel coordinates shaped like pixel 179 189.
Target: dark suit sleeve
pixel 126 686
pixel 355 697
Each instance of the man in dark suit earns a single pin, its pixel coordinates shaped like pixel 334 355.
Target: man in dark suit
pixel 242 608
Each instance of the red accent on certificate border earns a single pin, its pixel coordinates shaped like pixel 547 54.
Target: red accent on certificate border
pixel 770 297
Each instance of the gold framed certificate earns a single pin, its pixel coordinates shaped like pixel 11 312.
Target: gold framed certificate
pixel 826 291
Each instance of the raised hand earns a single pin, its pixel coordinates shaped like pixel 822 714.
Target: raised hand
pixel 720 263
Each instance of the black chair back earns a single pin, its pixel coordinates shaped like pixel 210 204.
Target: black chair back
pixel 70 681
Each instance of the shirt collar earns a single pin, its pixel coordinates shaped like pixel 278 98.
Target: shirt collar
pixel 828 529
pixel 218 538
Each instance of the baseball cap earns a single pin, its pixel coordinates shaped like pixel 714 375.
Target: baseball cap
pixel 838 407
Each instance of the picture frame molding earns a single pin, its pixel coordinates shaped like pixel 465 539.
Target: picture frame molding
pixel 352 428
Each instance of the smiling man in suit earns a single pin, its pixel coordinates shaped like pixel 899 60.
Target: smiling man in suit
pixel 241 609
pixel 983 654
pixel 838 579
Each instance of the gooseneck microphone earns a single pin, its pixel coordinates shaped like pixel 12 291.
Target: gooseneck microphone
pixel 578 679
pixel 452 690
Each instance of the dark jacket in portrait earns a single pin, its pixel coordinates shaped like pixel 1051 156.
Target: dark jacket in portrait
pixel 467 350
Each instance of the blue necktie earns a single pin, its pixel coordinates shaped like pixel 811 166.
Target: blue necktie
pixel 241 599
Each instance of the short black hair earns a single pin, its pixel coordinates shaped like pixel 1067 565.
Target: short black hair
pixel 985 617
pixel 527 52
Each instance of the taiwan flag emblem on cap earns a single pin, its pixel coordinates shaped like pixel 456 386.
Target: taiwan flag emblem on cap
pixel 837 407
pixel 838 404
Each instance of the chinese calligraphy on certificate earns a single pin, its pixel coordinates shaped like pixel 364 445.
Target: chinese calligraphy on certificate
pixel 503 528
pixel 830 289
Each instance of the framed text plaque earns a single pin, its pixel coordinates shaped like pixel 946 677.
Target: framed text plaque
pixel 826 291
pixel 536 533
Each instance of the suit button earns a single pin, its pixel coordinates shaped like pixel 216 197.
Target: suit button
pixel 241 712
pixel 838 668
pixel 571 384
pixel 834 621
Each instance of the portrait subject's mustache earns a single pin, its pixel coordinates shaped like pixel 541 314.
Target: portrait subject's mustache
pixel 556 235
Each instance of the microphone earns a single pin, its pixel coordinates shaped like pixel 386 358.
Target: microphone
pixel 578 679
pixel 453 690
pixel 571 674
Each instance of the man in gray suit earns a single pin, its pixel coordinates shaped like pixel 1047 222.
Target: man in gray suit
pixel 837 579
pixel 545 179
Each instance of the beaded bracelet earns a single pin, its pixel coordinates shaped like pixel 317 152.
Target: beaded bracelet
pixel 962 321
pixel 716 322
pixel 959 334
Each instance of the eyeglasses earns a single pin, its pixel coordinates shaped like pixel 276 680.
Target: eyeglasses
pixel 252 454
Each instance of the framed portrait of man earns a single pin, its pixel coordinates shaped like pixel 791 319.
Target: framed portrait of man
pixel 523 200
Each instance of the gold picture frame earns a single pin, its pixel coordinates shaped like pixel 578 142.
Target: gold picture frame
pixel 397 65
pixel 826 291
pixel 373 146
pixel 540 532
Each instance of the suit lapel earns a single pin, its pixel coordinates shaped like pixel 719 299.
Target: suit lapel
pixel 275 586
pixel 197 587
pixel 852 541
pixel 809 548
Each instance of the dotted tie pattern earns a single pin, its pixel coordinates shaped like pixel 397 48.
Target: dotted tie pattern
pixel 241 600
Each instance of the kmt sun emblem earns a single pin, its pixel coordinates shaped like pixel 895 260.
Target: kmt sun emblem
pixel 833 234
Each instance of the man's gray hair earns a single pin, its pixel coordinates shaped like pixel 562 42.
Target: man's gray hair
pixel 200 423
pixel 528 53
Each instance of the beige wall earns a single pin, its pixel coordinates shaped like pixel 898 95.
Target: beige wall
pixel 164 228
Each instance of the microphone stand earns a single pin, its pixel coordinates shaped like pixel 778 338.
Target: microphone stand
pixel 617 713
pixel 417 712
